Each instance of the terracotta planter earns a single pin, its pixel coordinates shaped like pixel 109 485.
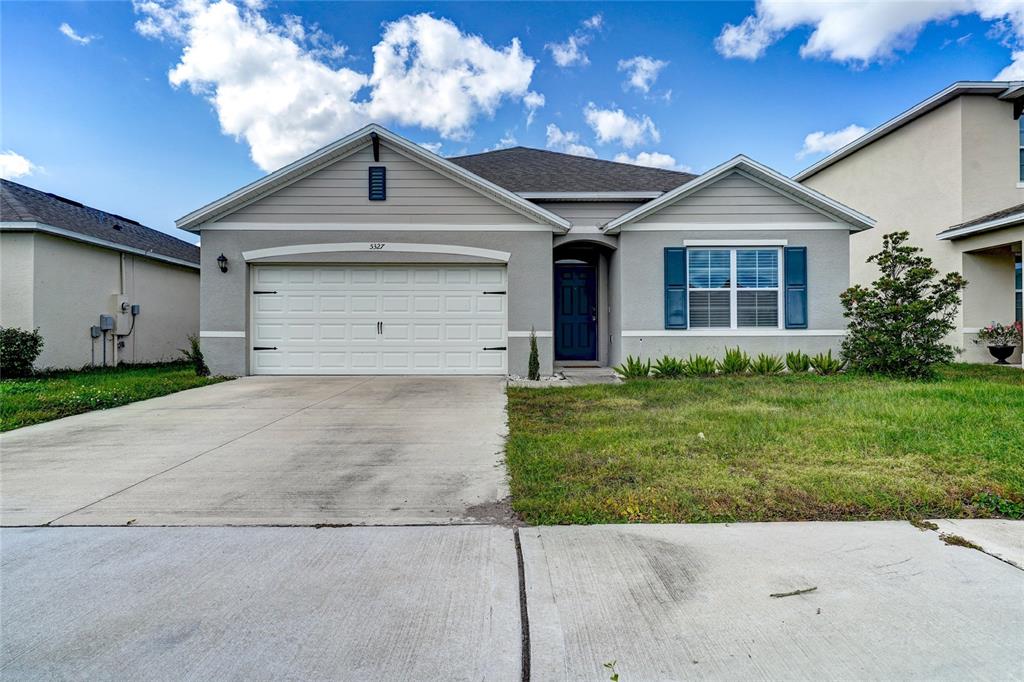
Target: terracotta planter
pixel 1000 353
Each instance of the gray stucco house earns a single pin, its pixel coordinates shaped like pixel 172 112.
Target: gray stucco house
pixel 375 256
pixel 64 264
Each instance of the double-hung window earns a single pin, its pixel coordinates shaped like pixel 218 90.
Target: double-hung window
pixel 733 288
pixel 1020 128
pixel 1018 289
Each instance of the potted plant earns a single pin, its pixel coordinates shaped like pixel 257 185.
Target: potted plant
pixel 1001 339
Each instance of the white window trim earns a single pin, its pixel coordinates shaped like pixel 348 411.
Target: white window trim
pixel 732 248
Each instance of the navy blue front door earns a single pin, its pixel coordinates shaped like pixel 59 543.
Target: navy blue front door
pixel 575 313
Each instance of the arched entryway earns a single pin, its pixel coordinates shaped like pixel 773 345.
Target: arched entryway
pixel 581 303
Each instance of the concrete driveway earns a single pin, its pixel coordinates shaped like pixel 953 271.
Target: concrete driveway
pixel 266 451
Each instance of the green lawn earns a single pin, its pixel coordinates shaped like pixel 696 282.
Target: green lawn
pixel 769 448
pixel 60 394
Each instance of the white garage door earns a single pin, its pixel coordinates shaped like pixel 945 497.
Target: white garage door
pixel 394 319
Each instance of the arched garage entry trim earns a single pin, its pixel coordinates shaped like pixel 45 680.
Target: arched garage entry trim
pixel 380 247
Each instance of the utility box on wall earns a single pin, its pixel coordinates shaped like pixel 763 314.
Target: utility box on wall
pixel 122 310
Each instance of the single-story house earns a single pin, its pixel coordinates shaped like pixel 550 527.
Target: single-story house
pixel 375 256
pixel 64 266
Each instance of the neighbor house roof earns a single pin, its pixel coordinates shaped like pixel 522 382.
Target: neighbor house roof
pixel 25 208
pixel 1006 217
pixel 349 144
pixel 1008 90
pixel 537 172
pixel 759 173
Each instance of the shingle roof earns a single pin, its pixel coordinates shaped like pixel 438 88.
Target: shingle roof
pixel 521 169
pixel 1003 213
pixel 19 203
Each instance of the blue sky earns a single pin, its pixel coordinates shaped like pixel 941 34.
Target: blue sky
pixel 151 110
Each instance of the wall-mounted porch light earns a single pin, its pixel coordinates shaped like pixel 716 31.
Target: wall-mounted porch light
pixel 222 262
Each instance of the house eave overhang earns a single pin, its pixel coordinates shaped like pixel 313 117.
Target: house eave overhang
pixel 856 220
pixel 341 148
pixel 1007 90
pixel 29 226
pixel 955 233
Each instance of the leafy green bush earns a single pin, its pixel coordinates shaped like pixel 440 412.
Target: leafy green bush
pixel 634 368
pixel 194 355
pixel 669 368
pixel 825 364
pixel 897 325
pixel 18 350
pixel 797 362
pixel 699 366
pixel 534 366
pixel 767 364
pixel 734 362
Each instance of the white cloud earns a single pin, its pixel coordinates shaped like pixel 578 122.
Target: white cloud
pixel 614 125
pixel 643 71
pixel 570 52
pixel 14 165
pixel 652 159
pixel 271 86
pixel 532 101
pixel 66 29
pixel 820 142
pixel 857 32
pixel 567 141
pixel 434 147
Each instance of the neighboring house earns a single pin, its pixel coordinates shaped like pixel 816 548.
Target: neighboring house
pixel 950 171
pixel 63 265
pixel 375 256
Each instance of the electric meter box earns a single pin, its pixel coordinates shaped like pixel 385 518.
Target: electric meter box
pixel 122 313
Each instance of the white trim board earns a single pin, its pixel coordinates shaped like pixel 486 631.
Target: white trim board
pixel 370 227
pixel 221 335
pixel 733 227
pixel 728 333
pixel 735 242
pixel 28 226
pixel 377 247
pixel 540 335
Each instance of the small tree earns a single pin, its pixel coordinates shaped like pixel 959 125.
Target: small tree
pixel 897 325
pixel 533 372
pixel 194 354
pixel 18 350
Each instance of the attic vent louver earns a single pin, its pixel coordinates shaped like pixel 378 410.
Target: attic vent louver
pixel 378 183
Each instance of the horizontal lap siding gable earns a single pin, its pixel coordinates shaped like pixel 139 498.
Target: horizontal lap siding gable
pixel 735 199
pixel 415 195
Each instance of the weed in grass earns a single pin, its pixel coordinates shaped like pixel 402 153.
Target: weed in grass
pixel 735 361
pixel 798 362
pixel 999 505
pixel 669 368
pixel 767 365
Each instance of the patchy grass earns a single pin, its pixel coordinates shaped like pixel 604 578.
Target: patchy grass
pixel 61 394
pixel 769 448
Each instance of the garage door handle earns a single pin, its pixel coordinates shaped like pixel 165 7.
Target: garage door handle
pixel 264 347
pixel 495 348
pixel 496 292
pixel 257 293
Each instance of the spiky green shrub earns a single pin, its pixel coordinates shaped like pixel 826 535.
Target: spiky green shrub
pixel 798 362
pixel 699 366
pixel 194 355
pixel 735 361
pixel 634 368
pixel 533 371
pixel 767 364
pixel 824 363
pixel 669 368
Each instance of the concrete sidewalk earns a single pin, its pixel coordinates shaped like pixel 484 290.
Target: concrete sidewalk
pixel 259 604
pixel 675 602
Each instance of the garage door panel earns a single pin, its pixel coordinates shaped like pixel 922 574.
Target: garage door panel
pixel 323 319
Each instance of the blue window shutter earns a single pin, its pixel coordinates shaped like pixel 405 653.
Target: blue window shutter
pixel 378 190
pixel 796 287
pixel 675 288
